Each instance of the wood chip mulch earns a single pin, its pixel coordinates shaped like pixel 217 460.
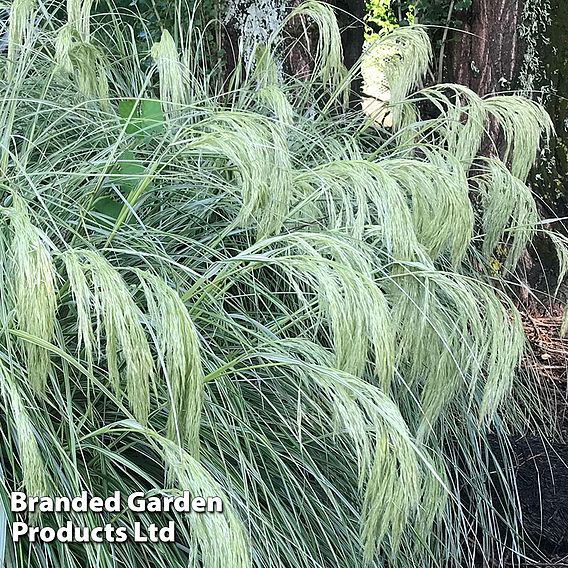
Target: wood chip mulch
pixel 549 357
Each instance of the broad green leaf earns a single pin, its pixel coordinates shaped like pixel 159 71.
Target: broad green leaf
pixel 125 111
pixel 127 164
pixel 107 206
pixel 143 118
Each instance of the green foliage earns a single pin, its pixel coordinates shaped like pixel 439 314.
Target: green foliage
pixel 143 118
pixel 279 303
pixel 386 15
pixel 428 12
pixel 436 12
pixel 380 13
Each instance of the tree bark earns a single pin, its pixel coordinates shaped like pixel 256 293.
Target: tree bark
pixel 487 54
pixel 252 21
pixel 550 179
pixel 520 46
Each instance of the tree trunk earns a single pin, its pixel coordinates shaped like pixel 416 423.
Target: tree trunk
pixel 250 22
pixel 551 176
pixel 520 46
pixel 487 55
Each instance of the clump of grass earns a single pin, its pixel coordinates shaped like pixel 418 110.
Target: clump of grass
pixel 255 295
